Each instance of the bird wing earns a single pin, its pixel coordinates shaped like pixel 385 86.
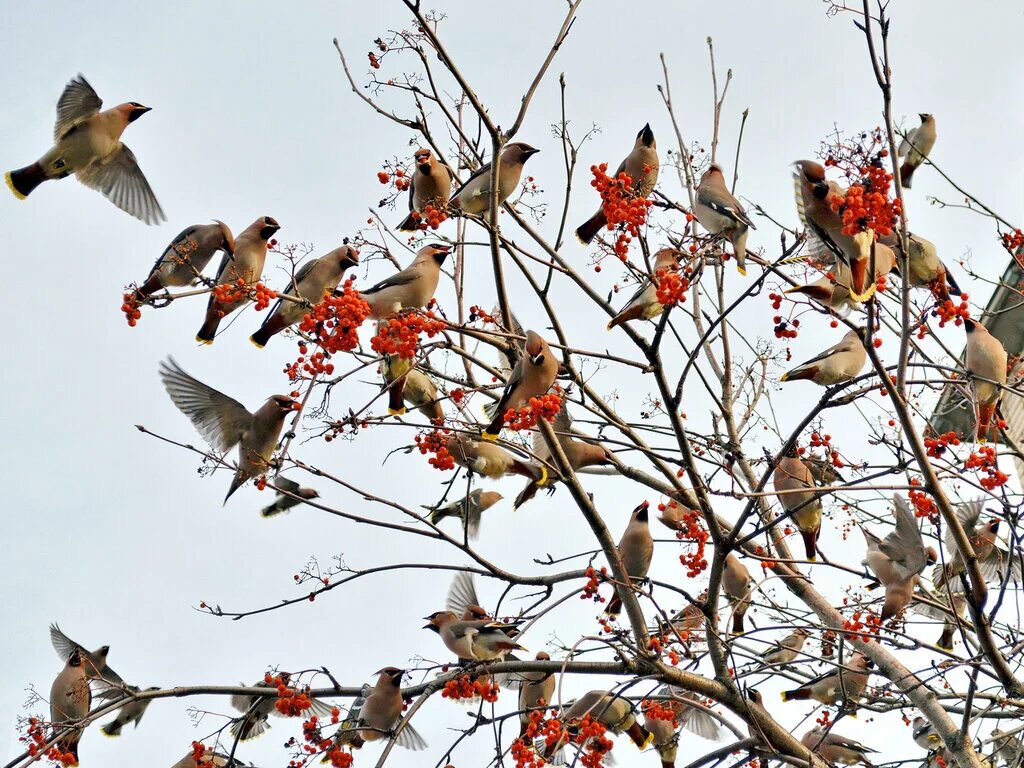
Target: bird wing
pixel 968 514
pixel 462 593
pixel 909 139
pixel 409 738
pixel 404 277
pixel 726 206
pixel 289 485
pixel 872 540
pixel 220 419
pixel 119 178
pixel 63 644
pixel 509 360
pixel 78 102
pixel 904 546
pixel 842 346
pixel 180 241
pixel 485 168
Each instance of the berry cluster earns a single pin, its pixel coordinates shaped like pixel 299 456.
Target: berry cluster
pixel 937 444
pixel 230 293
pixel 522 750
pixel 622 207
pixel 984 461
pixel 334 322
pixel 948 311
pixel 867 204
pixel 594 579
pixel 465 688
pixel 436 442
pixel 659 710
pixel 785 329
pixel 290 702
pixel 1012 241
pixel 314 366
pixel 130 307
pixel 401 181
pixel 544 407
pixel 35 737
pixel 479 313
pixel 691 529
pixel 672 287
pixel 856 628
pixel 591 736
pixel 430 217
pixel 401 335
pixel 923 505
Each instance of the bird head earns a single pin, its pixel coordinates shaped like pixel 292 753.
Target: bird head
pixel 268 227
pixel 394 674
pixel 133 110
pixel 754 695
pixel 646 136
pixel 640 513
pixel 931 555
pixel 713 170
pixel 439 252
pixel 519 152
pixel 969 325
pixel 309 493
pixel 286 404
pixel 348 257
pixel 925 116
pixel 422 158
pixel 75 658
pixel 811 171
pixel 437 619
pixel 543 656
pixel 534 348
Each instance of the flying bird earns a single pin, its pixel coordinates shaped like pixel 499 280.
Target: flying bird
pixel 641 165
pixel 283 502
pixel 94 663
pixel 87 143
pixel 468 509
pixel 478 640
pixel 224 422
pixel 898 560
pixel 183 261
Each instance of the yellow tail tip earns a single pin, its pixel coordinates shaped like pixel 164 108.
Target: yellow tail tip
pixel 794 289
pixel 207 342
pixel 110 734
pixel 784 697
pixel 862 297
pixel 543 476
pixel 256 343
pixel 741 633
pixel 741 270
pixel 611 324
pixel 489 437
pixel 784 377
pixel 397 411
pixel 10 184
pixel 648 741
pixel 812 559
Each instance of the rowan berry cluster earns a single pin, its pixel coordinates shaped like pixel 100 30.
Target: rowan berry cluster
pixel 479 313
pixel 465 688
pixel 429 217
pixel 785 329
pixel 544 407
pixel 594 579
pixel 35 737
pixel 938 444
pixel 622 207
pixel 984 461
pixel 436 442
pixel 591 735
pixel 230 293
pixel 401 335
pixel 659 710
pixel 860 628
pixel 867 204
pixel 130 307
pixel 671 287
pixel 692 529
pixel 290 702
pixel 523 754
pixel 335 321
pixel 398 175
pixel 949 311
pixel 922 504
pixel 339 758
pixel 315 365
pixel 1013 241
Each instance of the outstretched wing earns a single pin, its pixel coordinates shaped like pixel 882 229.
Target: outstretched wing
pixel 124 184
pixel 78 102
pixel 462 593
pixel 220 419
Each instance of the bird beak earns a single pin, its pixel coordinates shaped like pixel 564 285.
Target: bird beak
pixel 647 135
pixel 968 324
pixel 137 112
pixel 537 359
pixel 530 152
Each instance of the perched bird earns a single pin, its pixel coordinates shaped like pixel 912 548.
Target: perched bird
pixel 224 422
pixel 533 375
pixel 131 712
pixel 898 559
pixel 612 711
pixel 836 749
pixel 993 559
pixel 87 143
pixel 536 690
pixel 815 196
pixel 916 146
pixel 947 605
pixel 468 509
pixel 315 280
pixel 675 516
pixel 245 264
pixel 688 715
pixel 756 700
pixel 788 649
pixel 739 588
pixel 641 165
pixel 925 268
pixel 70 698
pixel 837 364
pixel 406 383
pixel 831 290
pixel 183 261
pixel 582 456
pixel 210 757
pixel 924 734
pixel 636 548
pixel 377 714
pixel 867 251
pixel 474 197
pixel 93 662
pixel 257 708
pixel 481 640
pixel 430 184
pixel 986 364
pixel 412 288
pixel 688 621
pixel 283 502
pixel 1008 748
pixel 644 304
pixel 844 684
pixel 721 214
pixel 791 475
pixel 493 461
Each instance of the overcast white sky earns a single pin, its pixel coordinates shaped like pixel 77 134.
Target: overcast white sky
pixel 114 536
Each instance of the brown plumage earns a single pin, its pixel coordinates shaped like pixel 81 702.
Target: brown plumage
pixel 183 261
pixel 412 287
pixel 836 749
pixel 636 548
pixel 790 476
pixel 490 460
pixel 844 685
pixel 70 698
pixel 916 146
pixel 533 375
pixel 536 689
pixel 474 196
pixel 738 587
pixel 644 304
pixel 641 164
pixel 722 214
pixel 377 712
pixel 986 362
pixel 429 184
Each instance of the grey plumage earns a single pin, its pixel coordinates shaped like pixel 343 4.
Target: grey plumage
pixel 284 502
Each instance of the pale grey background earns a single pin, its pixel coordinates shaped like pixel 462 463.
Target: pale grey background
pixel 113 535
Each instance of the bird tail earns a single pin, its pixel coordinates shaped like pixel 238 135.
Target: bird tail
pixel 526 494
pixel 494 428
pixel 112 729
pixel 24 180
pixel 737 622
pixel 210 324
pixel 151 286
pixel 986 425
pixel 800 373
pixel 271 326
pixel 629 313
pixel 860 288
pixel 269 511
pixel 409 224
pixel 614 606
pixel 797 694
pixel 945 641
pixel 906 174
pixel 640 735
pixel 588 229
pixel 819 292
pixel 238 482
pixel 810 544
pixel 396 396
pixel 536 472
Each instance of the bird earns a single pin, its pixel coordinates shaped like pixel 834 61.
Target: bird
pixel 474 197
pixel 478 640
pixel 87 143
pixel 674 516
pixel 612 711
pixel 839 363
pixel 869 259
pixel 993 559
pixel 468 509
pixel 843 684
pixel 924 734
pixel 791 475
pixel 406 383
pixel 411 288
pixel 533 375
pixel 815 197
pixel 536 691
pixel 916 146
pixel 831 290
pixel 313 281
pixel 131 712
pixel 94 663
pixel 756 700
pixel 283 502
pixel 581 455
pixel 70 699
pixel 898 559
pixel 694 719
pixel 946 604
pixel 986 364
pixel 256 708
pixel 244 264
pixel 430 184
pixel 209 758
pixel 377 714
pixel 184 259
pixel 925 268
pixel 721 214
pixel 224 422
pixel 641 165
pixel 739 588
pixel 636 549
pixel 787 650
pixel 666 735
pixel 493 461
pixel 1008 748
pixel 644 304
pixel 836 749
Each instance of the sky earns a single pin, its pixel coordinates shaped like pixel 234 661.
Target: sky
pixel 115 536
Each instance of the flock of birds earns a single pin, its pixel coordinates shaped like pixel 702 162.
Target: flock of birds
pixel 87 143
